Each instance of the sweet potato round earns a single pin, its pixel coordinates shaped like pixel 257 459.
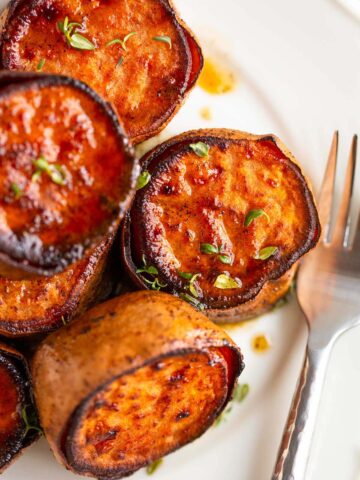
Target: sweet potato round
pixel 67 172
pixel 15 396
pixel 191 201
pixel 44 304
pixel 145 79
pixel 116 389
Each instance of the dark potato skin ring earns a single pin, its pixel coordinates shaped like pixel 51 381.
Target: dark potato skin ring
pixel 102 369
pixel 15 395
pixel 263 281
pixel 54 221
pixel 41 305
pixel 157 77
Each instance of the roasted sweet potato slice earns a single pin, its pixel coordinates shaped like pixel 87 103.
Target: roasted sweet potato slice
pixel 41 305
pixel 18 418
pixel 222 218
pixel 132 380
pixel 66 172
pixel 144 62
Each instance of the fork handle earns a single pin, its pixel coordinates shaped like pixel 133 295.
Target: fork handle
pixel 293 456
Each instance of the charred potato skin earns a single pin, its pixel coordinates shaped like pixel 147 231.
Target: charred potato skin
pixel 262 297
pixel 90 347
pixel 10 356
pixel 194 61
pixel 50 261
pixel 78 288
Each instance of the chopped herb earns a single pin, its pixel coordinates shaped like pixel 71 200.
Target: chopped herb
pixel 266 253
pixel 209 249
pixel 16 190
pixel 150 469
pixel 121 42
pixel 143 180
pixel 120 62
pixel 40 65
pixel 154 283
pixel 30 420
pixel 225 282
pixel 187 276
pixel 241 392
pixel 54 171
pixel 191 277
pixel 164 39
pixel 200 148
pixel 253 214
pixel 193 301
pixel 225 259
pixel 75 40
pixel 63 320
pixel 223 417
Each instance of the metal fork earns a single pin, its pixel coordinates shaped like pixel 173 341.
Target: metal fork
pixel 328 291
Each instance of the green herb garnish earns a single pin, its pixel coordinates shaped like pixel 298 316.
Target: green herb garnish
pixel 241 392
pixel 120 62
pixel 143 180
pixel 164 39
pixel 223 417
pixel 253 214
pixel 122 42
pixel 225 282
pixel 30 420
pixel 193 301
pixel 150 469
pixel 200 148
pixel 54 171
pixel 40 65
pixel 209 249
pixel 75 40
pixel 191 277
pixel 153 272
pixel 63 320
pixel 16 191
pixel 266 253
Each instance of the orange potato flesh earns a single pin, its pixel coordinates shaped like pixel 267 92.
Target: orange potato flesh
pixel 148 413
pixel 43 304
pixel 152 79
pixel 191 201
pixel 50 225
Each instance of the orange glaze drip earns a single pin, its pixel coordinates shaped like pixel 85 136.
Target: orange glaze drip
pixel 261 343
pixel 216 78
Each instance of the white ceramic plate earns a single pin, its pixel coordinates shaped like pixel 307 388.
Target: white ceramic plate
pixel 299 77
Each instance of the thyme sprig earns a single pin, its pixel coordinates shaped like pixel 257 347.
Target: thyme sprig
pixel 75 39
pixel 30 420
pixel 154 282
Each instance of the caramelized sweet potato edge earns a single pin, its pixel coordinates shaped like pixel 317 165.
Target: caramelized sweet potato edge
pixel 157 155
pixel 51 261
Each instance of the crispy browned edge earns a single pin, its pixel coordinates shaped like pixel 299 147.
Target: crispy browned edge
pixel 15 269
pixel 22 366
pixel 277 286
pixel 193 44
pixel 84 295
pixel 111 340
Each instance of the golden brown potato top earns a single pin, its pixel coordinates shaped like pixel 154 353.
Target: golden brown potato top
pixel 144 78
pixel 218 226
pixel 64 169
pixel 146 414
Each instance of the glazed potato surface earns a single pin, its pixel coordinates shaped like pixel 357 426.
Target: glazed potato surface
pixel 149 412
pixel 145 79
pixel 65 173
pixel 192 201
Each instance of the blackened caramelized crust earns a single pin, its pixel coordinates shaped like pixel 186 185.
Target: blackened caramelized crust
pixel 15 399
pixel 145 79
pixel 135 378
pixel 193 202
pixel 41 305
pixel 67 172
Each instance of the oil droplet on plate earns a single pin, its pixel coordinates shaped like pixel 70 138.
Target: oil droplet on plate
pixel 261 343
pixel 216 78
pixel 206 113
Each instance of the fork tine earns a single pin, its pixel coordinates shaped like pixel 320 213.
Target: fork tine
pixel 342 228
pixel 326 197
